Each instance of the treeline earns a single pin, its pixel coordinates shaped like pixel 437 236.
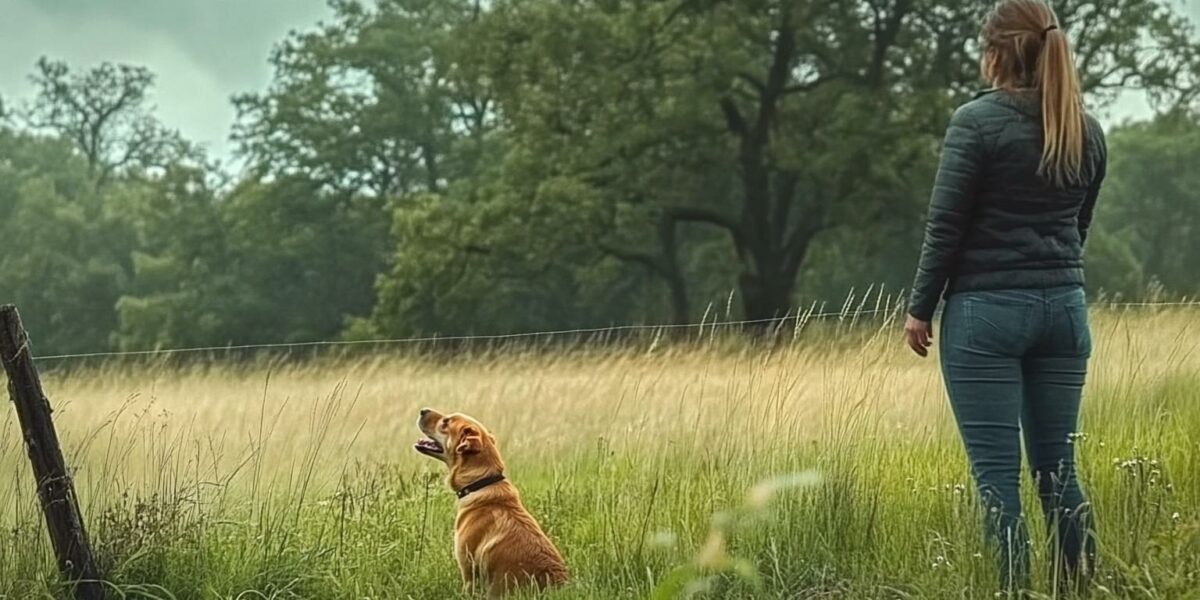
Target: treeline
pixel 454 166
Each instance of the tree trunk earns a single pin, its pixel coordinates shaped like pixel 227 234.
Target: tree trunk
pixel 671 272
pixel 766 297
pixel 768 283
pixel 680 311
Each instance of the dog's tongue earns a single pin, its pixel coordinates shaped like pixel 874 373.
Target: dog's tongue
pixel 428 444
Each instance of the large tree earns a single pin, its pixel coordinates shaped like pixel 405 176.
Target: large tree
pixel 105 112
pixel 374 101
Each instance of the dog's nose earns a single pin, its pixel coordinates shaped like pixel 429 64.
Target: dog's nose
pixel 425 411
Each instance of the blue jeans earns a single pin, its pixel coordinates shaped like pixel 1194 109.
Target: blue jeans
pixel 1014 361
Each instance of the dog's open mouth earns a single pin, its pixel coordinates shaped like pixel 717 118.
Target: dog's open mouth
pixel 429 446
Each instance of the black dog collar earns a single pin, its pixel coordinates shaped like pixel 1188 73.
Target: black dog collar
pixel 479 484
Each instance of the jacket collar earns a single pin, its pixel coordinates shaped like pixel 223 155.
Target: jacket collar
pixel 1026 102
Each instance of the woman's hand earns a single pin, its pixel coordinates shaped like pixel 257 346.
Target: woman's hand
pixel 919 335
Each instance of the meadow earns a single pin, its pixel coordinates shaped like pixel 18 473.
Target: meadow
pixel 824 467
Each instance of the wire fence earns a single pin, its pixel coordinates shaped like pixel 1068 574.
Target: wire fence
pixel 849 314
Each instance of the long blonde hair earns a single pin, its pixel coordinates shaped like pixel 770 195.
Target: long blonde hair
pixel 1025 48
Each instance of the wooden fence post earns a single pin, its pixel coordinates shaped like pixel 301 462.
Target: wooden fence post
pixel 56 492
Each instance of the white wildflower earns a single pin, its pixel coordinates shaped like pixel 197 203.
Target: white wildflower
pixel 663 539
pixel 761 494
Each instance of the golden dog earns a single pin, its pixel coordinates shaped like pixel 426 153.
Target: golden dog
pixel 497 543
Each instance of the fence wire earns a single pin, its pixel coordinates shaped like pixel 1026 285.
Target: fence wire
pixel 798 321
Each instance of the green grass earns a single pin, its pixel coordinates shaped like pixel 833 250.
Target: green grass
pixel 650 468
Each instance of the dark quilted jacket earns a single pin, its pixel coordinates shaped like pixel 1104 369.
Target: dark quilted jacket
pixel 993 222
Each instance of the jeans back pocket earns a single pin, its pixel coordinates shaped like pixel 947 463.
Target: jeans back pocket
pixel 998 327
pixel 1078 332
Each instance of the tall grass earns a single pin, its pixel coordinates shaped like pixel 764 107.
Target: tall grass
pixel 653 465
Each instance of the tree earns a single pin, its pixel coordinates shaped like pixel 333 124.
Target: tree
pixel 65 254
pixel 182 280
pixel 1148 217
pixel 484 258
pixel 277 261
pixel 371 102
pixel 105 112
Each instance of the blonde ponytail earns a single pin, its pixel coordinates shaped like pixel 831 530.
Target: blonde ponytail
pixel 1027 49
pixel 1062 111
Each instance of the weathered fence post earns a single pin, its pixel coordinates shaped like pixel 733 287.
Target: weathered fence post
pixel 56 492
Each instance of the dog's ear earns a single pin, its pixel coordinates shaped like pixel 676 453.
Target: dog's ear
pixel 469 442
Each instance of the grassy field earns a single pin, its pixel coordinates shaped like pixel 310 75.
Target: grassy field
pixel 826 468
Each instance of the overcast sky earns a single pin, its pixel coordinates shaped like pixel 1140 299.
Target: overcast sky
pixel 203 51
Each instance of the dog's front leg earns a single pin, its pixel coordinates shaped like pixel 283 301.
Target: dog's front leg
pixel 470 574
pixel 468 577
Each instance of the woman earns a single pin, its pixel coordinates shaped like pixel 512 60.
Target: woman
pixel 1020 171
